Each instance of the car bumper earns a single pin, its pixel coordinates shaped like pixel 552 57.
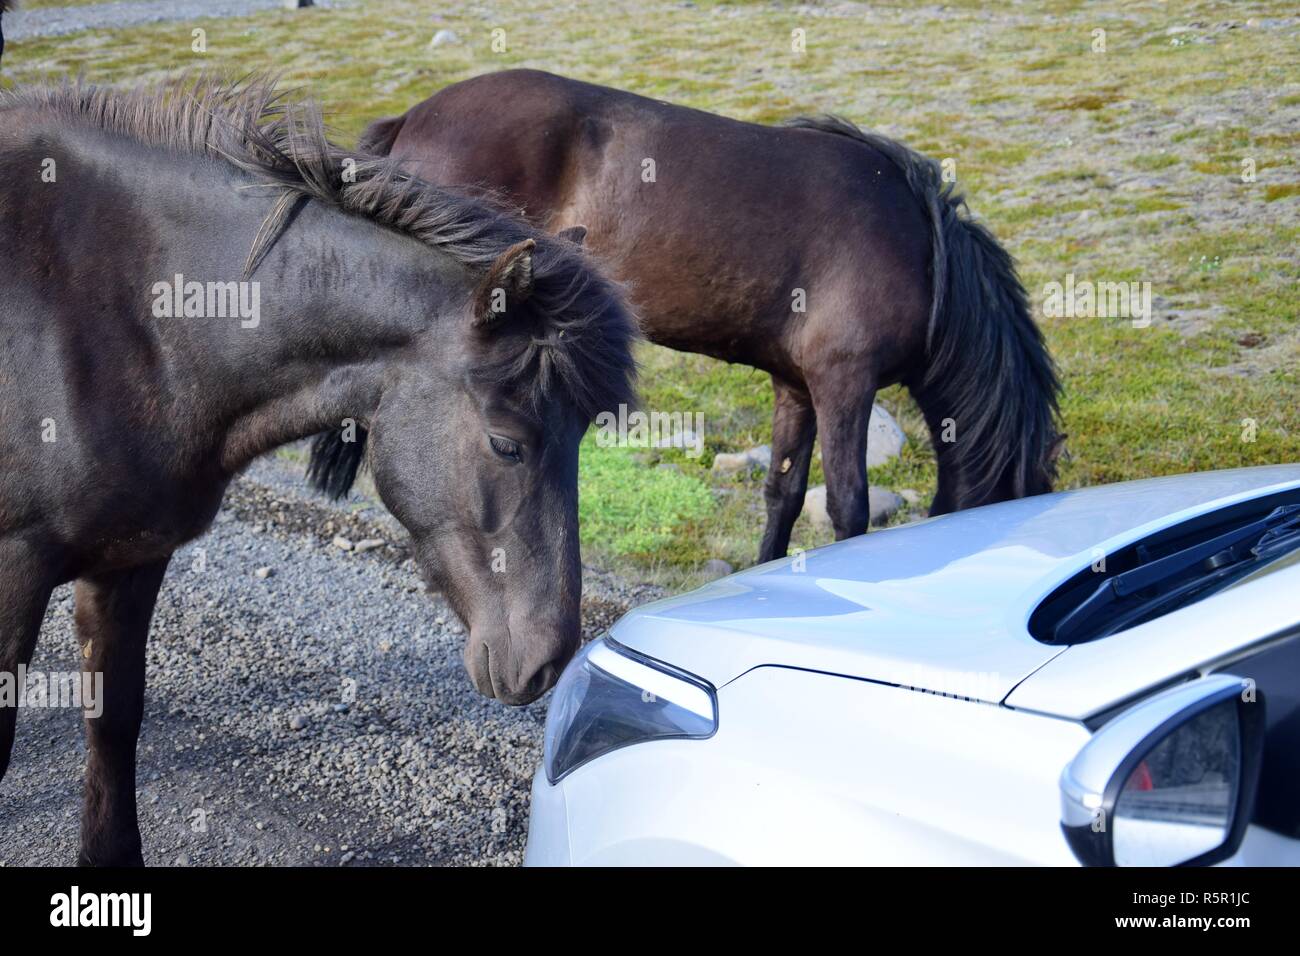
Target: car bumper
pixel 872 774
pixel 548 825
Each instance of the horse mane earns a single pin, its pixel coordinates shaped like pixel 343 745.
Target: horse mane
pixel 585 330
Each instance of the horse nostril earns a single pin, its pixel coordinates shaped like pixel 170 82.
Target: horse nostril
pixel 523 691
pixel 478 662
pixel 542 681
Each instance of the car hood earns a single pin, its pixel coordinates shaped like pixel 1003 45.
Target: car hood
pixel 940 605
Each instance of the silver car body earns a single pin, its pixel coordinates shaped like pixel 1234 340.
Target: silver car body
pixel 881 700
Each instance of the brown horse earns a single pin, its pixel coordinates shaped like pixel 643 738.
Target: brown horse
pixel 194 276
pixel 834 259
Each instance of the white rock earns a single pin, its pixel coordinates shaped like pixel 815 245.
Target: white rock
pixel 885 439
pixel 342 543
pixel 882 502
pixel 369 544
pixel 717 568
pixel 814 506
pixel 729 463
pixel 444 37
pixel 264 573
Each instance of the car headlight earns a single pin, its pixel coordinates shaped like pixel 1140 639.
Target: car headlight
pixel 610 697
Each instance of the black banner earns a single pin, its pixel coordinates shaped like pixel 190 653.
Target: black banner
pixel 334 905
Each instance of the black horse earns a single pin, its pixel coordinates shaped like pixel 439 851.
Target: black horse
pixel 834 259
pixel 194 276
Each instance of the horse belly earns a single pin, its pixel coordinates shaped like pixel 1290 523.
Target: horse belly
pixel 132 524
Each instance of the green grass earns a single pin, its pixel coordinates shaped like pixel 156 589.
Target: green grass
pixel 1123 165
pixel 631 509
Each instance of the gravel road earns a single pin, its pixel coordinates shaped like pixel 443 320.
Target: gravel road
pixel 21 24
pixel 255 749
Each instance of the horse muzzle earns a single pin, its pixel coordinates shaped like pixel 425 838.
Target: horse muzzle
pixel 496 675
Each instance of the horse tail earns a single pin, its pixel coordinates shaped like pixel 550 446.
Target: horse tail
pixel 377 139
pixel 336 457
pixel 990 391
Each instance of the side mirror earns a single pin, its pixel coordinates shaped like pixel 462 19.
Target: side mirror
pixel 1169 782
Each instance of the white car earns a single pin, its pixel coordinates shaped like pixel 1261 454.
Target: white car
pixel 1102 676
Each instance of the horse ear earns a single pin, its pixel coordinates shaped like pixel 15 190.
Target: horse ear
pixel 508 284
pixel 574 234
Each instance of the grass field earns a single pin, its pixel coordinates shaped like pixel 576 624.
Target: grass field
pixel 1117 165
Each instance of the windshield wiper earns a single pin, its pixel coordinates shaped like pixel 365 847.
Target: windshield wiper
pixel 1176 576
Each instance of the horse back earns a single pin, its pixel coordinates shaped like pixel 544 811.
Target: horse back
pixel 719 227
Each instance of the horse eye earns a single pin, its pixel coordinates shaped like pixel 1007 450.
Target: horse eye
pixel 505 447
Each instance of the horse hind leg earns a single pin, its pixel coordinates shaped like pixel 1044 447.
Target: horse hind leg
pixel 25 587
pixel 113 614
pixel 794 428
pixel 843 406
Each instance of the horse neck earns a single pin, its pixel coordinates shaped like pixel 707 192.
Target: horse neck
pixel 341 300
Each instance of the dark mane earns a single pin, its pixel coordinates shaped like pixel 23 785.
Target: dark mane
pixel 585 329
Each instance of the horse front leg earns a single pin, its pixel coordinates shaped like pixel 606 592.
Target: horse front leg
pixel 112 615
pixel 25 586
pixel 794 428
